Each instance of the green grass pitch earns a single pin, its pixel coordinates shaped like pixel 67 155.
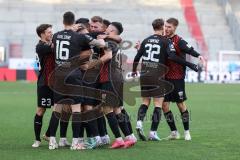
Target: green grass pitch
pixel 215 129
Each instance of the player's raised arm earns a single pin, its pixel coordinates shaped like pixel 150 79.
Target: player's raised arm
pixel 107 56
pixel 171 53
pixel 187 48
pixel 94 42
pixel 137 59
pixel 98 43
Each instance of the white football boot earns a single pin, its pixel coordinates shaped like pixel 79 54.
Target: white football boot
pixel 187 136
pixel 36 144
pixel 174 135
pixel 153 136
pixel 63 142
pixel 52 143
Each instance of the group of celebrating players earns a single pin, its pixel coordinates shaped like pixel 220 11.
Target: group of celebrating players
pixel 80 77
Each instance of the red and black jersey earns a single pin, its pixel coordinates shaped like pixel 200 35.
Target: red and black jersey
pixel 114 65
pixel 45 59
pixel 177 71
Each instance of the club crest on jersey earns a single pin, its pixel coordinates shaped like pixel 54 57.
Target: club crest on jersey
pixel 171 46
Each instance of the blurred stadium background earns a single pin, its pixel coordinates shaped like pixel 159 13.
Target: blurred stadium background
pixel 211 26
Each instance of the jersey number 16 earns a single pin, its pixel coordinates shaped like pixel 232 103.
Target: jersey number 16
pixel 62 53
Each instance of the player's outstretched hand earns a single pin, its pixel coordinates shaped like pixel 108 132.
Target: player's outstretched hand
pixel 202 60
pixel 194 67
pixel 76 27
pixel 102 36
pixel 102 43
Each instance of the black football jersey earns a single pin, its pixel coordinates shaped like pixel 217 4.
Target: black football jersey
pixel 68 44
pixel 45 61
pixel 154 49
pixel 111 70
pixel 116 61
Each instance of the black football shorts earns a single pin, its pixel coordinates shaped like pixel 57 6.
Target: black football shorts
pixel 44 96
pixel 69 93
pixel 178 94
pixel 117 90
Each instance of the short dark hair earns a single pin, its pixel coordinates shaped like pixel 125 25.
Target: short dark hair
pixel 106 22
pixel 173 21
pixel 42 28
pixel 158 24
pixel 84 22
pixel 119 26
pixel 68 18
pixel 97 19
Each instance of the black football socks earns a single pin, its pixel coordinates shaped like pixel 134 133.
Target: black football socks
pixel 63 128
pixel 142 112
pixel 93 127
pixel 170 120
pixel 156 117
pixel 121 118
pixel 76 124
pixel 127 120
pixel 54 122
pixel 185 120
pixel 113 123
pixel 102 126
pixel 37 126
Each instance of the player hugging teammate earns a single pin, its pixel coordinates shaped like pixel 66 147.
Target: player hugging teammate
pixel 80 76
pixel 174 76
pixel 76 52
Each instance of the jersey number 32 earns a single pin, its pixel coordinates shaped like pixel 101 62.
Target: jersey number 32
pixel 152 50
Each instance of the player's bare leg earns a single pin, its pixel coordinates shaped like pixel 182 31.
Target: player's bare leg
pixel 141 115
pixel 156 117
pixel 185 119
pixel 170 121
